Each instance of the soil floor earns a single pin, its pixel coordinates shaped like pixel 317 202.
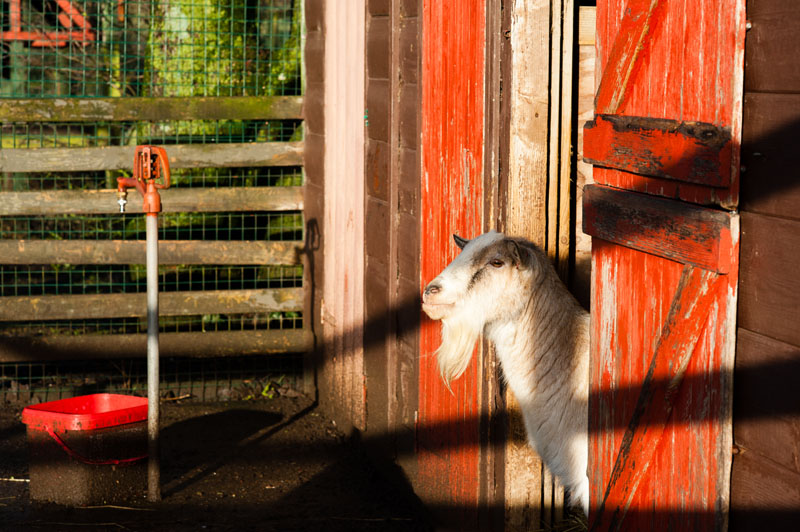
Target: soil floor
pixel 265 465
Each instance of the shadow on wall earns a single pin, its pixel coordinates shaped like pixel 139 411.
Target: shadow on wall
pixel 763 154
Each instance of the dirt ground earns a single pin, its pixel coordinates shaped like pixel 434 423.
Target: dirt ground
pixel 265 465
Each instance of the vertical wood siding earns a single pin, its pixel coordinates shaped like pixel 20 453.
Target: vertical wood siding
pixel 342 374
pixel 452 146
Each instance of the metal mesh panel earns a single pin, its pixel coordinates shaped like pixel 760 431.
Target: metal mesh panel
pixel 176 48
pixel 290 176
pixel 172 226
pixel 82 135
pixel 209 379
pixel 63 279
pixel 84 48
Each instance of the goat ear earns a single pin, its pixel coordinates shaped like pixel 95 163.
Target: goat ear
pixel 519 255
pixel 460 242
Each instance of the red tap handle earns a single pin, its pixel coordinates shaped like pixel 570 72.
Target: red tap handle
pixel 151 163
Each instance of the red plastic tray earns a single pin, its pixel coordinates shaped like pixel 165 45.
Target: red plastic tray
pixel 86 412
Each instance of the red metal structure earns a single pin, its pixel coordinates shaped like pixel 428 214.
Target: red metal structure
pixel 452 124
pixel 78 29
pixel 665 145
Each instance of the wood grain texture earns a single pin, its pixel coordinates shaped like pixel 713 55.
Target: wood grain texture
pixel 769 285
pixel 771 42
pixel 133 252
pixel 687 470
pixel 690 69
pixel 452 143
pixel 180 156
pixel 53 202
pixel 694 296
pixel 342 377
pixel 686 151
pixel 665 228
pixel 157 109
pixel 194 345
pixel 99 306
pixel 766 407
pixel 769 154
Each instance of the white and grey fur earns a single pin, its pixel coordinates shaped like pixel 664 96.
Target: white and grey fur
pixel 507 289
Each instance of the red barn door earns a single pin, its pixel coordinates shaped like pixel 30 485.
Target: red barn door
pixel 452 141
pixel 664 143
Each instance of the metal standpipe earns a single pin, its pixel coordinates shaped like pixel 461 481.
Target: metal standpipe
pixel 150 164
pixel 153 413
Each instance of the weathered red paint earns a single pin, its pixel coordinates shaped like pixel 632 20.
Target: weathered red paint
pixel 696 292
pixel 681 61
pixel 656 147
pixel 452 123
pixel 663 227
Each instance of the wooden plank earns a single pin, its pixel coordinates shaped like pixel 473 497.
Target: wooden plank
pixel 639 22
pixel 180 156
pixel 587 25
pixel 156 109
pixel 766 409
pixel 769 286
pixel 697 290
pixel 769 154
pixel 342 374
pixel 98 306
pixel 133 252
pixel 452 122
pixel 764 495
pixel 686 74
pixel 662 227
pixel 224 199
pixel 196 345
pixel 695 152
pixel 771 46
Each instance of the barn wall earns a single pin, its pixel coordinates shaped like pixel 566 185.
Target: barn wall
pixel 335 194
pixel 313 200
pixel 392 228
pixel 765 482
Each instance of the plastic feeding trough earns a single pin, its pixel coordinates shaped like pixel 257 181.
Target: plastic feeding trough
pixel 88 450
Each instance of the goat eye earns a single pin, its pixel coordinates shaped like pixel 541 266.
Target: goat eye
pixel 497 263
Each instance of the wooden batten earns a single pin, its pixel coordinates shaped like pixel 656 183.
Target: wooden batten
pixel 193 344
pixel 54 202
pixel 133 252
pixel 662 227
pixel 156 109
pixel 99 306
pixel 180 156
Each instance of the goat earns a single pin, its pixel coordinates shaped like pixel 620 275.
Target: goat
pixel 507 289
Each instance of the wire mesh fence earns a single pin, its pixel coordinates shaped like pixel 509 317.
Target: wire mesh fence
pixel 56 49
pixel 205 379
pixel 85 48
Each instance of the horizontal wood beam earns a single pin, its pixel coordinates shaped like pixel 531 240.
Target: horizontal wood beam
pixel 180 156
pixel 223 199
pixel 133 252
pixel 666 228
pixel 694 152
pixel 156 109
pixel 100 306
pixel 195 345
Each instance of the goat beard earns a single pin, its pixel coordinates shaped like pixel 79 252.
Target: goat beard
pixel 458 343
